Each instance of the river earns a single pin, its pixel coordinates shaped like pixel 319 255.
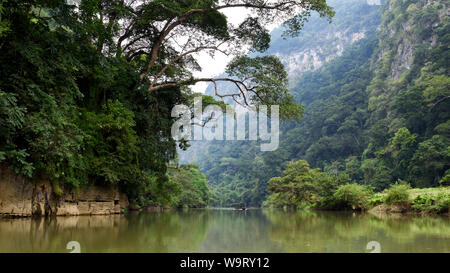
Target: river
pixel 211 230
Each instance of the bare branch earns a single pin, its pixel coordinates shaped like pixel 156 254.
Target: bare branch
pixel 243 88
pixel 172 62
pixel 169 26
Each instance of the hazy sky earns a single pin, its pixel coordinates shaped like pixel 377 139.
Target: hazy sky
pixel 215 66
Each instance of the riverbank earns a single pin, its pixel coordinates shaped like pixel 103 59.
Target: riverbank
pixel 398 199
pixel 20 197
pixel 415 201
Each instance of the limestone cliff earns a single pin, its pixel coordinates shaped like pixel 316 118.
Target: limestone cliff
pixel 319 42
pixel 20 197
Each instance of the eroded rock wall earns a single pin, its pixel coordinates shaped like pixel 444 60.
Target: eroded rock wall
pixel 20 197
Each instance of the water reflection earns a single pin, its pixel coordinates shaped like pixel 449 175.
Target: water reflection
pixel 239 231
pixel 227 231
pixel 149 232
pixel 350 232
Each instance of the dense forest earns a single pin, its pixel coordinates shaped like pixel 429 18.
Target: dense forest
pixel 87 87
pixel 87 90
pixel 376 117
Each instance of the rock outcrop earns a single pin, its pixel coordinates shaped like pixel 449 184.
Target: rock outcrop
pixel 20 197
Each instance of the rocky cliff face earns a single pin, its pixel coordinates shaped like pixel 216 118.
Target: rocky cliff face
pixel 406 29
pixel 310 59
pixel 21 198
pixel 407 35
pixel 320 42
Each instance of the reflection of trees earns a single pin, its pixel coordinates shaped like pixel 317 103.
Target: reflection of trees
pixel 407 228
pixel 238 231
pixel 347 232
pixel 227 231
pixel 170 231
pixel 52 235
pixel 150 232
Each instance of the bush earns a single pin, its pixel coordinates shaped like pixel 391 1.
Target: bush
pixel 445 181
pixel 375 200
pixel 397 193
pixel 352 195
pixel 432 202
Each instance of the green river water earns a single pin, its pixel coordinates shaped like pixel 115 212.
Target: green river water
pixel 211 230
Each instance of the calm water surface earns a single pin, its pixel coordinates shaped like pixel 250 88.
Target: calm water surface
pixel 227 231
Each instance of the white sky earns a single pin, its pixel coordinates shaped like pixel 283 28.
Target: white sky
pixel 215 66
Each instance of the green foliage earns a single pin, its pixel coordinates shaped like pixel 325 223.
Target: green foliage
pixel 375 200
pixel 388 131
pixel 401 125
pixel 77 104
pixel 74 114
pixel 195 192
pixel 379 112
pixel 445 181
pixel 352 196
pixel 270 81
pixel 111 144
pixel 397 193
pixel 87 88
pixel 332 126
pixel 430 160
pixel 437 89
pixel 300 184
pixel 432 202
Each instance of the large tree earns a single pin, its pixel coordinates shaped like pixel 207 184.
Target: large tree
pixel 164 37
pixel 87 87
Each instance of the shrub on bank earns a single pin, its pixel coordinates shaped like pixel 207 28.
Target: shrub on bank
pixel 352 196
pixel 397 193
pixel 375 200
pixel 432 203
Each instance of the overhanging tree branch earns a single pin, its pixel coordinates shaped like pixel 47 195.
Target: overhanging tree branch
pixel 173 61
pixel 170 24
pixel 243 88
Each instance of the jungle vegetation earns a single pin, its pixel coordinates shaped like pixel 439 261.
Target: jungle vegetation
pixel 375 116
pixel 87 87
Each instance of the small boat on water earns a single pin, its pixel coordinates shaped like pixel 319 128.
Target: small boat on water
pixel 239 206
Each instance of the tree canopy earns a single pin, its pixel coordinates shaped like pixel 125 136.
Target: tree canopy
pixel 378 113
pixel 87 87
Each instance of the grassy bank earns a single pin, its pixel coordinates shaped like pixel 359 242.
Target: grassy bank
pixel 402 199
pixel 399 198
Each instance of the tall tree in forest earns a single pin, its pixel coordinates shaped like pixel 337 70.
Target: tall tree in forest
pixel 86 87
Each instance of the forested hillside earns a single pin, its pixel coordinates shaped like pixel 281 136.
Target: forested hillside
pixel 87 87
pixel 320 42
pixel 376 115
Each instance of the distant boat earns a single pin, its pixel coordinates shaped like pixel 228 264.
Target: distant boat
pixel 239 206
